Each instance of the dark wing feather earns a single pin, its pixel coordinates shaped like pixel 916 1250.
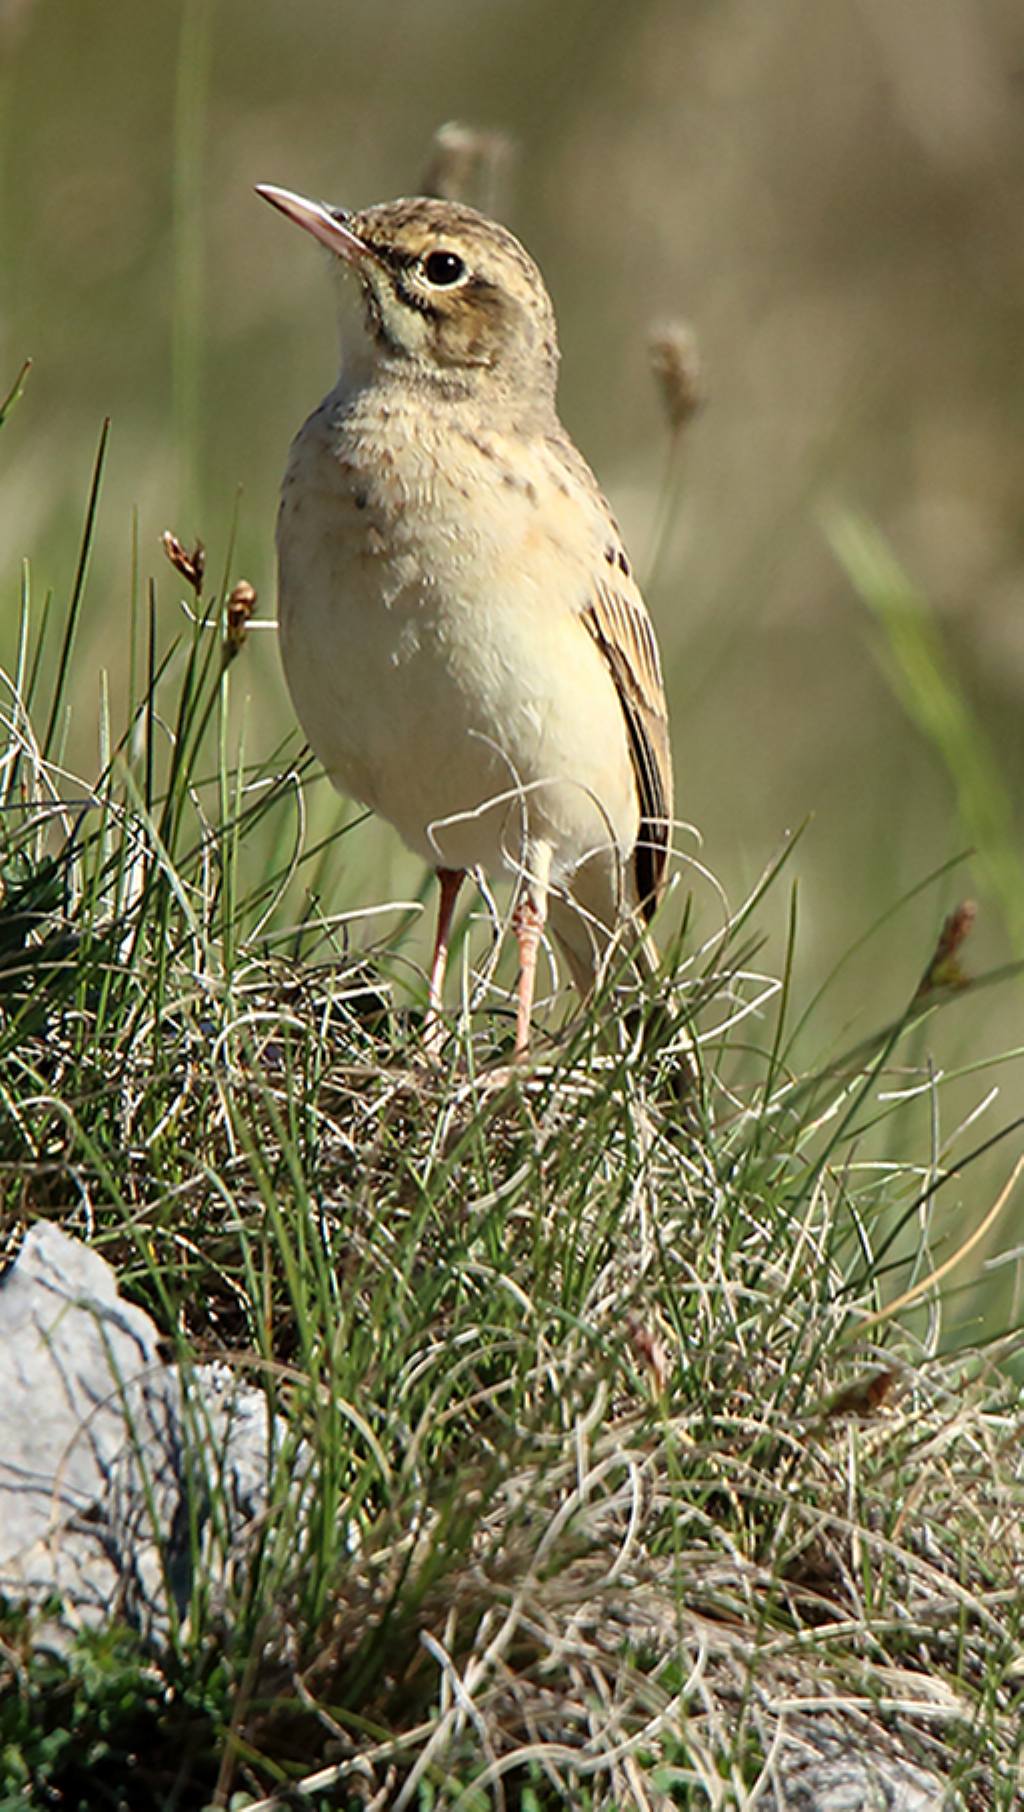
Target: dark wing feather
pixel 617 618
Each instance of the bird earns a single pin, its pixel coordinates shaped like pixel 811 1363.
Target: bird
pixel 463 637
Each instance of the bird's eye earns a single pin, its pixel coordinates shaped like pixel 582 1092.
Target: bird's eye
pixel 442 269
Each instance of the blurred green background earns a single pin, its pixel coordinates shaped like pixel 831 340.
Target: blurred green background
pixel 830 194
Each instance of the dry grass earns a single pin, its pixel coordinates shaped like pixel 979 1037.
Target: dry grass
pixel 610 1482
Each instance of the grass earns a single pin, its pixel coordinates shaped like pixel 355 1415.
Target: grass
pixel 922 675
pixel 608 1465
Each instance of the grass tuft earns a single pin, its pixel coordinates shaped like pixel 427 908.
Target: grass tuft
pixel 610 1471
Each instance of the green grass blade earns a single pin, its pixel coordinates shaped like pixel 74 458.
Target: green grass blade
pixel 918 667
pixel 77 593
pixel 14 392
pixel 191 108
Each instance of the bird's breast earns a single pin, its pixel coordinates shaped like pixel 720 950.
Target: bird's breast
pixel 431 641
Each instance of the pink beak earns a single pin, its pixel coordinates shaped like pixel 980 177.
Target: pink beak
pixel 318 220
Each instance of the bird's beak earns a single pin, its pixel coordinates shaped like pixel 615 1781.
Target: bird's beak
pixel 326 225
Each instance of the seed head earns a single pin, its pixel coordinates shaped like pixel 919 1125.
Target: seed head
pixel 467 164
pixel 944 968
pixel 239 608
pixel 676 364
pixel 191 565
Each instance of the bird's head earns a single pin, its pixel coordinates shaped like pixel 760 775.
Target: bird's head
pixel 450 298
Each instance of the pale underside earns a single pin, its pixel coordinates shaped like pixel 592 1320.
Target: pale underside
pixel 470 656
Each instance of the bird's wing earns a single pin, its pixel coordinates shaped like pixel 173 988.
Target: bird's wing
pixel 616 616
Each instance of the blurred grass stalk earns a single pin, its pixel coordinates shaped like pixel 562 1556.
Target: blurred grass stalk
pixel 914 659
pixel 190 113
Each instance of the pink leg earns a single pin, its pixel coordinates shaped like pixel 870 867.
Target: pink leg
pixel 528 924
pixel 450 880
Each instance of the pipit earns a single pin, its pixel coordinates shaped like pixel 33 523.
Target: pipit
pixel 463 639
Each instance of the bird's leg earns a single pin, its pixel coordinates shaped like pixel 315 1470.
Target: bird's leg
pixel 528 922
pixel 449 881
